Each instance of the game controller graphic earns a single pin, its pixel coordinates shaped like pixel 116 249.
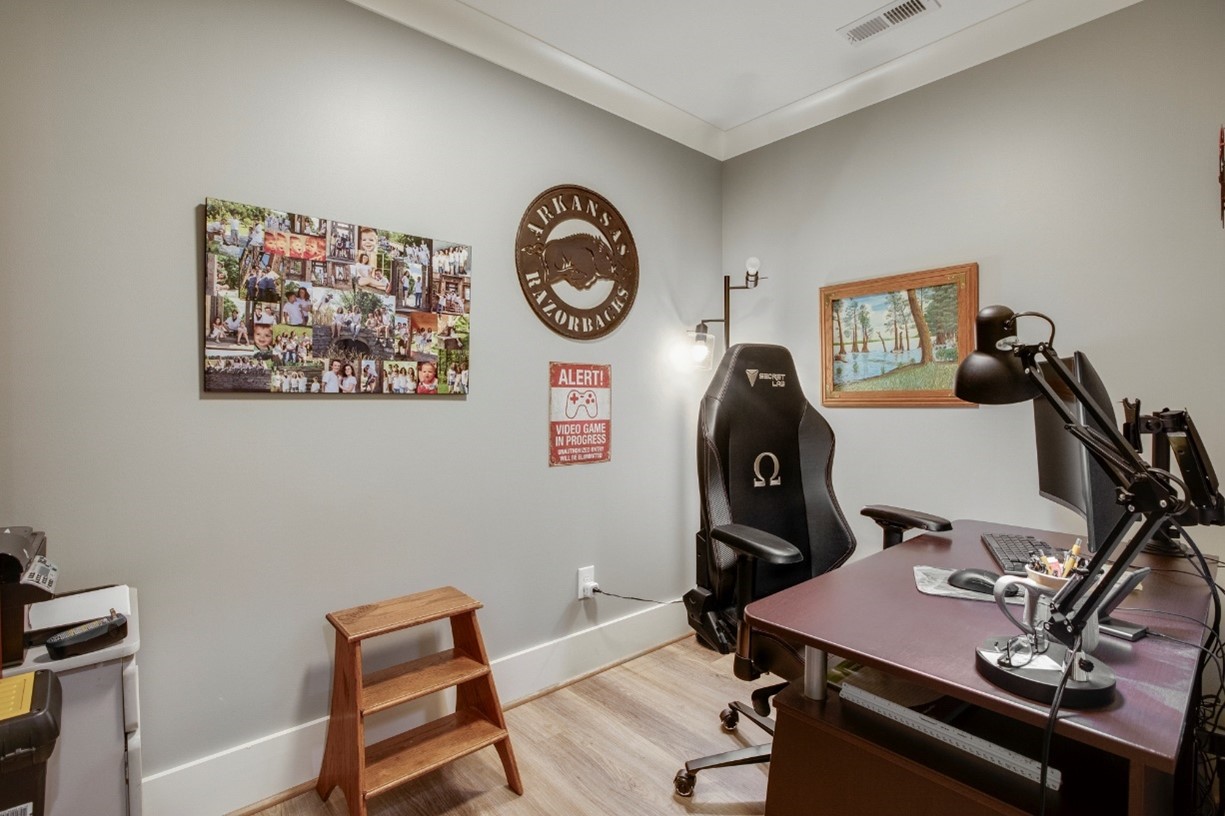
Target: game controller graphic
pixel 580 401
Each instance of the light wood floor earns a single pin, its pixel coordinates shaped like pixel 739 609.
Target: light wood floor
pixel 609 744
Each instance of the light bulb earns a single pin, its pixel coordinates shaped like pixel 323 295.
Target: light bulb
pixel 751 267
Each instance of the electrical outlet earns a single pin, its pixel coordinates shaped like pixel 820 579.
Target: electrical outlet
pixel 585 583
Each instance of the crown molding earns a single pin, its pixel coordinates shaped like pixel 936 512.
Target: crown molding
pixel 996 36
pixel 483 36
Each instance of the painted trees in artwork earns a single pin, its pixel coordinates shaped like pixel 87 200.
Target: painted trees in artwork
pixel 864 315
pixel 855 314
pixel 851 312
pixel 925 338
pixel 912 326
pixel 897 321
pixel 836 309
pixel 940 310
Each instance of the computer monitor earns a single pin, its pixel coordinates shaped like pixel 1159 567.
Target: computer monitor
pixel 1067 474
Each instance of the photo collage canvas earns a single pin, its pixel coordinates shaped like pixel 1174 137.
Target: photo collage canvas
pixel 297 304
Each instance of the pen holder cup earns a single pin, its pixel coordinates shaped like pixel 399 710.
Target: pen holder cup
pixel 1050 581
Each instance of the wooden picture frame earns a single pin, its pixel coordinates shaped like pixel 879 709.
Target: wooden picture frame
pixel 875 354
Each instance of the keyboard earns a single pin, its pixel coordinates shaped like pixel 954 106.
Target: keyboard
pixel 1012 552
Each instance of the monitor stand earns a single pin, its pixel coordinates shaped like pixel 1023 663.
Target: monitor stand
pixel 1162 544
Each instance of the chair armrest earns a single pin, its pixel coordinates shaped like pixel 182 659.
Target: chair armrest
pixel 897 520
pixel 757 543
pixel 901 517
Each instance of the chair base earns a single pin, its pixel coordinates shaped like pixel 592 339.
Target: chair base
pixel 686 778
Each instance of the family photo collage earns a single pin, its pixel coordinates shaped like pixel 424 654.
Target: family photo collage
pixel 296 304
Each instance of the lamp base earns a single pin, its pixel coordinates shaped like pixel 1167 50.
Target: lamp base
pixel 1039 678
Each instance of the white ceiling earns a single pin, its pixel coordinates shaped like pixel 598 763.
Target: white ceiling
pixel 726 77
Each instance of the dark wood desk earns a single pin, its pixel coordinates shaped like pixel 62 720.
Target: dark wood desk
pixel 871 612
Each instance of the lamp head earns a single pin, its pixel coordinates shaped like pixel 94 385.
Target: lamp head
pixel 702 350
pixel 752 267
pixel 993 374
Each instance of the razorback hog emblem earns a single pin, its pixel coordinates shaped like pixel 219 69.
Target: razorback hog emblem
pixel 579 260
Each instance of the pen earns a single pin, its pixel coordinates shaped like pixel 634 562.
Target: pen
pixel 1073 558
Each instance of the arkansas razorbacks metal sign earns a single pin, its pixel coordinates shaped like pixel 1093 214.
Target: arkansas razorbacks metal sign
pixel 577 262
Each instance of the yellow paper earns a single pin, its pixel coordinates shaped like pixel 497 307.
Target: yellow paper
pixel 16 695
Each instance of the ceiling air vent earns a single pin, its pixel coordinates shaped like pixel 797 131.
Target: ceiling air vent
pixel 885 18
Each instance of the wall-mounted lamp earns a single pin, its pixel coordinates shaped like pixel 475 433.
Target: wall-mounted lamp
pixel 703 342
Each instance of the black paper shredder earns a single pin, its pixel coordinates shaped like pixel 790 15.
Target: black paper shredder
pixel 29 726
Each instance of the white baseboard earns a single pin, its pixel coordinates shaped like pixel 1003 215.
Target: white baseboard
pixel 256 770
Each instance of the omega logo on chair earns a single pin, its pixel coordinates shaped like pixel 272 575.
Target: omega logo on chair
pixel 759 480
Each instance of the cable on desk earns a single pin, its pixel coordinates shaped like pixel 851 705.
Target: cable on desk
pixel 1173 571
pixel 1215 655
pixel 1206 627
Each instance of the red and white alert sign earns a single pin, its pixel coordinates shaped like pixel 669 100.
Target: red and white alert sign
pixel 580 413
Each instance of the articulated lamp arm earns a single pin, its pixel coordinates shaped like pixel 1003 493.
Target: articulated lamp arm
pixel 1144 492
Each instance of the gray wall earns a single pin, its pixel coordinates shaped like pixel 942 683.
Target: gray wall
pixel 1080 173
pixel 243 521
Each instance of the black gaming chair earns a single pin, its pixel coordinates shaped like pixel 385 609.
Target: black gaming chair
pixel 769 520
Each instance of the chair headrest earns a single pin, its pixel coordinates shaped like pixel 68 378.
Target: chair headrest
pixel 759 371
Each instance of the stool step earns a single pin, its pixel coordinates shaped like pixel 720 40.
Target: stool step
pixel 427 747
pixel 417 678
pixel 368 620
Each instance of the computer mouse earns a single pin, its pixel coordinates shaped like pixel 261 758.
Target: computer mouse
pixel 978 580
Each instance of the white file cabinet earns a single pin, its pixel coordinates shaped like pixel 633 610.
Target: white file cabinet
pixel 95 768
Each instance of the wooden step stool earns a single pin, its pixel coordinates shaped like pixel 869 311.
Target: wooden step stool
pixel 363 771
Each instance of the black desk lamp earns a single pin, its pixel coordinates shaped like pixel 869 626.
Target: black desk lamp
pixel 1002 370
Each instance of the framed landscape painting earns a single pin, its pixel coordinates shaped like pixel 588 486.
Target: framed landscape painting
pixel 897 341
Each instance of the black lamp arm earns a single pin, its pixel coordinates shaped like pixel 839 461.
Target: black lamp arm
pixel 1142 494
pixel 1067 621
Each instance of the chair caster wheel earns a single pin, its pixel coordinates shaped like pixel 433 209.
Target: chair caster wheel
pixel 730 718
pixel 684 782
